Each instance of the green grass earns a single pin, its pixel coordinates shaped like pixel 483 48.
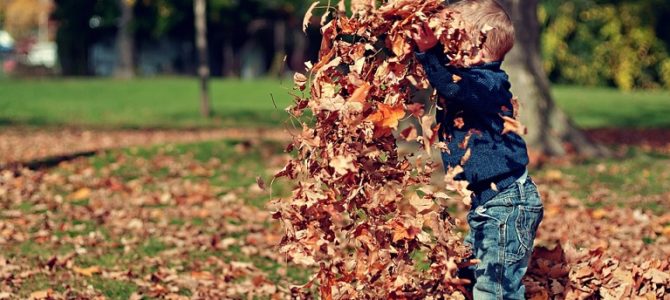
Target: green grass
pixel 174 103
pixel 605 107
pixel 114 289
pixel 141 103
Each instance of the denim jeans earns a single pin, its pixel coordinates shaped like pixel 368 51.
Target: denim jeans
pixel 501 235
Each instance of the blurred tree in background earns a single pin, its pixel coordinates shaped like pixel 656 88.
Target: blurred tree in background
pixel 80 23
pixel 608 42
pixel 621 43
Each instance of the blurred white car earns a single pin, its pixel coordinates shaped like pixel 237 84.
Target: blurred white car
pixel 6 41
pixel 42 54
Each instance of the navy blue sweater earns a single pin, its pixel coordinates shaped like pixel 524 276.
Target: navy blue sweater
pixel 479 96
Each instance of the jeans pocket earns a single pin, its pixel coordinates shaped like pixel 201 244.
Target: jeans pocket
pixel 527 221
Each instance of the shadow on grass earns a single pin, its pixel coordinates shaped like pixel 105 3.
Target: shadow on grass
pixel 177 121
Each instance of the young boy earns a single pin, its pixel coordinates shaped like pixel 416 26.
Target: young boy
pixel 506 207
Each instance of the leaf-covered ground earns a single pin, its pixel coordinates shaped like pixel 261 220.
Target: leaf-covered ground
pixel 171 221
pixel 188 221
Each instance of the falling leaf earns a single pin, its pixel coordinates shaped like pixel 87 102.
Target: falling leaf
pixel 466 156
pixel 421 204
pixel 361 93
pixel 341 7
pixel 416 109
pixel 387 116
pixel 409 133
pixel 400 46
pixel 512 125
pixel 324 18
pixel 486 28
pixel 300 80
pixel 308 16
pixel 260 182
pixel 458 122
pixel 455 78
pixel 343 164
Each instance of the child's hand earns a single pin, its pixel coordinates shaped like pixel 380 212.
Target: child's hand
pixel 424 37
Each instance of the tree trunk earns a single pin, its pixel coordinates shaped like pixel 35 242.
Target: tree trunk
pixel 280 49
pixel 228 58
pixel 299 51
pixel 125 43
pixel 199 9
pixel 550 131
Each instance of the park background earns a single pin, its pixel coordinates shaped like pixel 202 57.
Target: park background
pixel 118 179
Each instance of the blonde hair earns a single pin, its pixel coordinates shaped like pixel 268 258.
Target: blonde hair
pixel 479 15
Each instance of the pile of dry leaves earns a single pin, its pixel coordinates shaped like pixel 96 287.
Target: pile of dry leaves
pixel 602 253
pixel 361 212
pixel 366 216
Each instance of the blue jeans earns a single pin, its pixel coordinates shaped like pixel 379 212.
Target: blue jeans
pixel 501 235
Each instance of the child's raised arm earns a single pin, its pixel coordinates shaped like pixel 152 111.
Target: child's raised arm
pixel 463 85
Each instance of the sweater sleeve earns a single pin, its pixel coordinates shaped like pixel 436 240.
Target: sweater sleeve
pixel 464 87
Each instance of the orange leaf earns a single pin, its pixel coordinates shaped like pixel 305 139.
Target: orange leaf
pixel 387 116
pixel 81 194
pixel 202 275
pixel 88 272
pixel 456 78
pixel 43 294
pixel 361 93
pixel 458 123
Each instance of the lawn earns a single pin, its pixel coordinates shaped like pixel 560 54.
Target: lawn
pixel 141 103
pixel 167 222
pixel 604 107
pixel 173 103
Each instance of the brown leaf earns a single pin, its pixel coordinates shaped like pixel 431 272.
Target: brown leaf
pixel 421 204
pixel 409 133
pixel 466 156
pixel 260 182
pixel 416 109
pixel 387 116
pixel 300 80
pixel 343 164
pixel 512 125
pixel 458 123
pixel 400 46
pixel 308 16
